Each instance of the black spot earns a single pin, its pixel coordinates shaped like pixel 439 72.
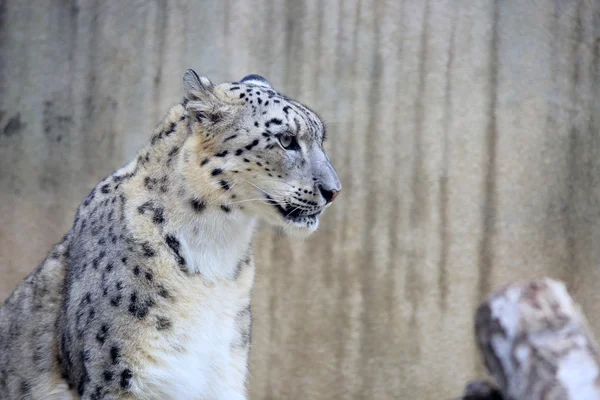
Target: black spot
pixel 133 299
pixel 171 129
pixel 216 171
pixel 239 151
pixel 158 217
pixel 174 151
pixel 242 95
pixel 24 388
pixel 162 292
pixel 246 160
pixel 259 164
pixel 91 316
pixel 274 121
pixel 97 395
pixel 124 260
pixel 95 229
pixel 149 183
pixel 116 301
pixel 105 189
pixel 174 244
pixel 109 267
pixel 225 208
pixel 126 376
pixel 136 270
pixel 224 184
pixel 253 144
pixel 229 138
pixel 286 109
pixel 115 354
pixel 101 335
pixel 108 376
pixel 198 205
pixel 82 381
pixel 160 135
pixel 265 134
pixel 139 309
pixel 204 162
pixel 97 260
pixel 54 255
pixel 149 276
pixel 162 323
pixel 148 250
pixel 222 154
pixel 256 124
pixel 89 198
pixel 200 116
pixel 215 118
pixel 259 100
pixel 155 138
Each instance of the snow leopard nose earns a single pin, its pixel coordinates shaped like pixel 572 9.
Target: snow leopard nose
pixel 328 194
pixel 326 179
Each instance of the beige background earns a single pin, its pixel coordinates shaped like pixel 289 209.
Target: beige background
pixel 466 135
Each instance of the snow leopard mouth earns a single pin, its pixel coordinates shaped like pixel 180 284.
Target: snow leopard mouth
pixel 294 214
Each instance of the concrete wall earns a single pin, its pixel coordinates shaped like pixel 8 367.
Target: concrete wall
pixel 466 135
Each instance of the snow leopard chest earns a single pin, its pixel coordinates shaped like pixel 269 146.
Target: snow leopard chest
pixel 193 360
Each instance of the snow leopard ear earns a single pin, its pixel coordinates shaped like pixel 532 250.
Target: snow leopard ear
pixel 256 80
pixel 197 88
pixel 202 103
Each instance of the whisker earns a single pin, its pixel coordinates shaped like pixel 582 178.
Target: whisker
pixel 223 194
pixel 262 200
pixel 292 211
pixel 259 188
pixel 277 181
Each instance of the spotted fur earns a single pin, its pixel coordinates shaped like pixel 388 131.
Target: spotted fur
pixel 148 294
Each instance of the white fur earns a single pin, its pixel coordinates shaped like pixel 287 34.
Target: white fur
pixel 128 168
pixel 194 360
pixel 214 245
pixel 59 391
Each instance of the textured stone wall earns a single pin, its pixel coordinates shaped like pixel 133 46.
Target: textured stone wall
pixel 466 135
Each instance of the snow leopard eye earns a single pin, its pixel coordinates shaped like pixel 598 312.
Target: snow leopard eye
pixel 288 142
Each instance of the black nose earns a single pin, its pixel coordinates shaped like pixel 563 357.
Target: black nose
pixel 328 195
